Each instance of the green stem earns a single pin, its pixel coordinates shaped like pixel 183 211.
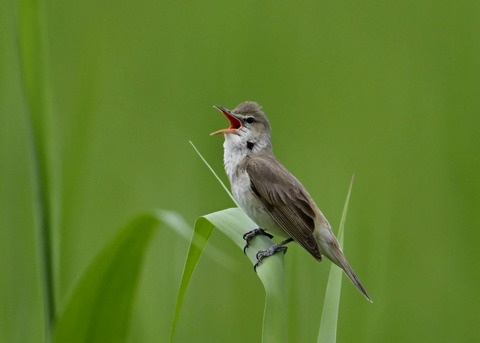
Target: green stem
pixel 30 31
pixel 43 227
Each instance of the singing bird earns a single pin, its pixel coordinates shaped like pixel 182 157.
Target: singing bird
pixel 270 195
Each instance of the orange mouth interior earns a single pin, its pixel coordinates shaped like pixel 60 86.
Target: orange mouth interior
pixel 235 124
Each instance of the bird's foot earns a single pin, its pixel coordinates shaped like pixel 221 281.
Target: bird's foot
pixel 261 254
pixel 250 234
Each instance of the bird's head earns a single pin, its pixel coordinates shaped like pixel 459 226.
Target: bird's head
pixel 249 127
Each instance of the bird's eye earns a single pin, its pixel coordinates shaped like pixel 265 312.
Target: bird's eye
pixel 250 120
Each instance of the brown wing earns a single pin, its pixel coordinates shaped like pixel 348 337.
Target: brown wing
pixel 285 198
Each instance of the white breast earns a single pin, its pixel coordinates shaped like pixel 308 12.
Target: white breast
pixel 241 188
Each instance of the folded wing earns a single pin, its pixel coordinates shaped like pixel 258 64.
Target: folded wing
pixel 285 198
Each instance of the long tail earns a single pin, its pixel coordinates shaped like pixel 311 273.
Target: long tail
pixel 339 259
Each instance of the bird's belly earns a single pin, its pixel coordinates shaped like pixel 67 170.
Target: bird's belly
pixel 253 207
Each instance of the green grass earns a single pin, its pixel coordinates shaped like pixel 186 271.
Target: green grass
pixel 328 324
pixel 36 89
pixel 100 307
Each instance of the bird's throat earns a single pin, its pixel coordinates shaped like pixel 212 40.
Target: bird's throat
pixel 233 155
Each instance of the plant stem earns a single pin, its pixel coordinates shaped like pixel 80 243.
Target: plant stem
pixel 30 32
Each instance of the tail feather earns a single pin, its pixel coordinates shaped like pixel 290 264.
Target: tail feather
pixel 339 259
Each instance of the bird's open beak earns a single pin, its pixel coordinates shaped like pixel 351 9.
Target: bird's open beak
pixel 235 124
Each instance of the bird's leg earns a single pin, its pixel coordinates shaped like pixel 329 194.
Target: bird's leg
pixel 250 234
pixel 261 254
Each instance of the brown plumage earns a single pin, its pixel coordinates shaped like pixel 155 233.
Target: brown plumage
pixel 270 195
pixel 284 196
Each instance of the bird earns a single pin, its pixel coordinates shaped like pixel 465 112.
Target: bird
pixel 270 195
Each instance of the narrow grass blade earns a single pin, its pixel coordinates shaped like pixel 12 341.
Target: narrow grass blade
pixel 213 172
pixel 30 39
pixel 234 223
pixel 201 233
pixel 328 324
pixel 101 305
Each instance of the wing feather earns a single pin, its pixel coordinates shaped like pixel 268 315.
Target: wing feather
pixel 285 198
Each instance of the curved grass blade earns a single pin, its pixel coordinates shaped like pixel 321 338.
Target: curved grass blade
pixel 101 305
pixel 328 324
pixel 234 223
pixel 201 233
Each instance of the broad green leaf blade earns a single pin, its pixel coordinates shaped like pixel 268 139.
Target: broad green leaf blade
pixel 328 324
pixel 100 307
pixel 234 223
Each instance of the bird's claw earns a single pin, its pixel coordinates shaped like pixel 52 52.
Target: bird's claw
pixel 248 236
pixel 261 254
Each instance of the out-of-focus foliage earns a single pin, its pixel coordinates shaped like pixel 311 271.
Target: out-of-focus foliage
pixel 100 307
pixel 388 90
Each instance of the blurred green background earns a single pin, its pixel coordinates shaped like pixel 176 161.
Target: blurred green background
pixel 389 90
